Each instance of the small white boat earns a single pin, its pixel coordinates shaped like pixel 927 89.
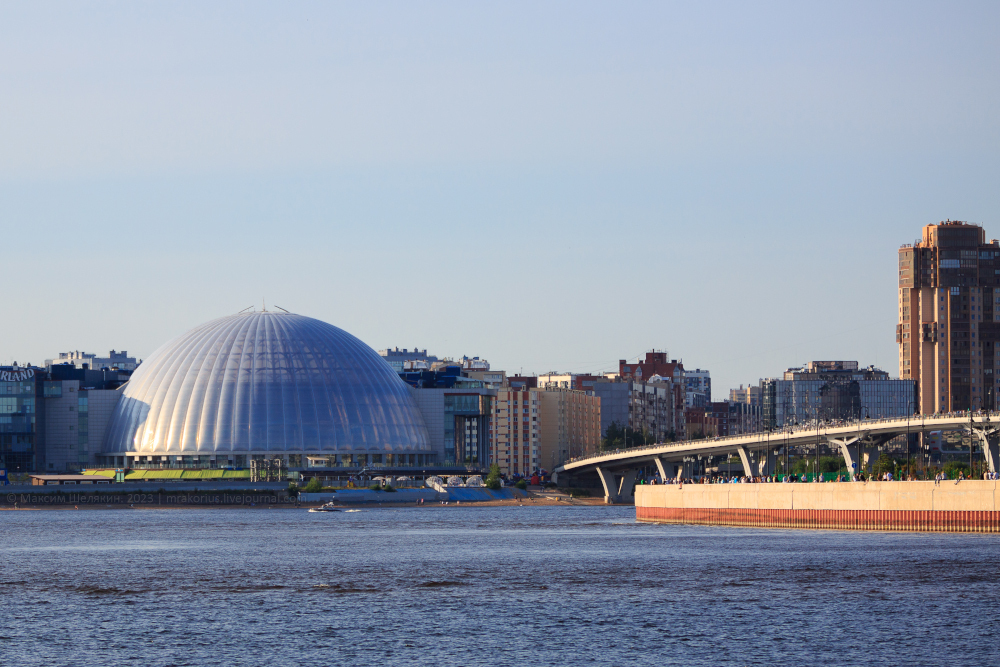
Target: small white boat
pixel 327 507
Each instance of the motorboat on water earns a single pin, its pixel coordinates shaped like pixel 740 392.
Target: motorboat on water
pixel 326 507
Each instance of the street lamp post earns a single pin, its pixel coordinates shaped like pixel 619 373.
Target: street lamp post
pixel 923 444
pixel 907 444
pixel 816 465
pixel 867 416
pixel 767 450
pixel 972 436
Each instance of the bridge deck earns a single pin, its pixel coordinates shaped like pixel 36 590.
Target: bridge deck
pixel 844 432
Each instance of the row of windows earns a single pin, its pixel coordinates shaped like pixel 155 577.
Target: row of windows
pixel 16 405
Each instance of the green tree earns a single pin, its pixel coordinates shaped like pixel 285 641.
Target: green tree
pixel 314 486
pixel 614 437
pixel 831 463
pixel 622 437
pixel 493 478
pixel 883 464
pixel 952 468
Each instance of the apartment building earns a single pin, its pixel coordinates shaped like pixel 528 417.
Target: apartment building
pixel 949 317
pixel 515 431
pixel 570 425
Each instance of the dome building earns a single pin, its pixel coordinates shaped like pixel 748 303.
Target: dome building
pixel 266 384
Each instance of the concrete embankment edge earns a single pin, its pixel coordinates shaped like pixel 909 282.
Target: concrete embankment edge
pixel 453 494
pixel 969 506
pixel 114 496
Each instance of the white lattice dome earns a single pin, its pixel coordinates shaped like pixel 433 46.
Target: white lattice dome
pixel 265 382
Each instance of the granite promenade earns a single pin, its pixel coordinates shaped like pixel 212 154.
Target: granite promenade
pixel 968 506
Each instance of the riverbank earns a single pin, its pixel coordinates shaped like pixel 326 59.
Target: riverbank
pixel 104 500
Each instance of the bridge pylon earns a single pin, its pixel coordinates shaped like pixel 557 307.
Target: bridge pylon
pixel 989 439
pixel 761 465
pixel 619 487
pixel 845 445
pixel 664 467
pixel 864 445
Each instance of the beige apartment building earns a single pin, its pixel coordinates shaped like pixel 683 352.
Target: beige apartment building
pixel 570 426
pixel 949 317
pixel 516 431
pixel 536 429
pixel 747 396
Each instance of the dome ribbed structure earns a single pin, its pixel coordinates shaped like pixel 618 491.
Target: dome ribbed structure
pixel 269 383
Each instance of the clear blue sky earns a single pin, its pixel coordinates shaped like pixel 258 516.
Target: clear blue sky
pixel 547 185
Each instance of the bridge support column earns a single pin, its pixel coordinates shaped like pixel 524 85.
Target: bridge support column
pixel 662 469
pixel 991 448
pixel 618 490
pixel 767 463
pixel 745 459
pixel 608 481
pixel 845 450
pixel 626 489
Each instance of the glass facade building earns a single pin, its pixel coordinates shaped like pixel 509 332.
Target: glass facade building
pixel 466 428
pixel 812 393
pixel 256 384
pixel 19 401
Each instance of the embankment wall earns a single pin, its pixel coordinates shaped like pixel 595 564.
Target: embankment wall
pixel 451 494
pixel 111 497
pixel 969 506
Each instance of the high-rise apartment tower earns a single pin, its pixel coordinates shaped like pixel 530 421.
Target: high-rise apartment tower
pixel 949 317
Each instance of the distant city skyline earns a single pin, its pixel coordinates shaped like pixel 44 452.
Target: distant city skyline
pixel 551 187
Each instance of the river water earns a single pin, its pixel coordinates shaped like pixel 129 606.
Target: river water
pixel 492 586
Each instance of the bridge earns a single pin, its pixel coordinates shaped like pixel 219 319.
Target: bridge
pixel 758 452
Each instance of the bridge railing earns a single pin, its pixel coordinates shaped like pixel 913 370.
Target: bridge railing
pixel 790 430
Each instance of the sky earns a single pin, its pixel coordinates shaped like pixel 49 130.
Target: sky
pixel 552 186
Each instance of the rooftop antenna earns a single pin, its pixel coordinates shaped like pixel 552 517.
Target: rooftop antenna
pixel 263 306
pixel 280 308
pixel 245 309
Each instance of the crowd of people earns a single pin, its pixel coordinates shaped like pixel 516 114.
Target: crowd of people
pixel 793 478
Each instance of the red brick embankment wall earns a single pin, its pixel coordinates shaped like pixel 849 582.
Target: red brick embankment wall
pixel 969 506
